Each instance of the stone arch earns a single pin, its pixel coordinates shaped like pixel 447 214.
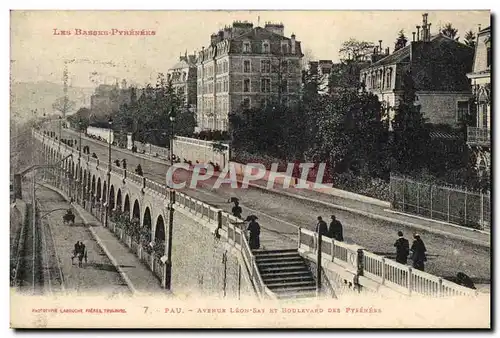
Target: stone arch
pixel 112 197
pixel 98 189
pixel 147 219
pixel 93 185
pixel 160 229
pixel 126 204
pixel 104 191
pixel 119 203
pixel 80 177
pixel 136 211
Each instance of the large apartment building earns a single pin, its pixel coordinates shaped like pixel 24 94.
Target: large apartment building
pixel 479 136
pixel 183 77
pixel 246 66
pixel 438 68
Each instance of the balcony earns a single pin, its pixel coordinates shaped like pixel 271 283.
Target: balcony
pixel 478 136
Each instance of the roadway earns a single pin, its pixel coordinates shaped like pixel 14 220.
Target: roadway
pixel 282 215
pixel 97 276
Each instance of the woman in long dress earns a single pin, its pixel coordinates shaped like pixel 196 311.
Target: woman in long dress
pixel 254 229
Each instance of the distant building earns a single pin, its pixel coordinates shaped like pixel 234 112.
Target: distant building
pixel 322 69
pixel 108 99
pixel 478 137
pixel 438 67
pixel 183 77
pixel 244 67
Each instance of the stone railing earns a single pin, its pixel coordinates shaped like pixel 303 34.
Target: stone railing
pixel 224 221
pixel 479 136
pixel 384 271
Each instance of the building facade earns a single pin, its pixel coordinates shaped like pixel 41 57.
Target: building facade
pixel 183 77
pixel 246 67
pixel 438 67
pixel 478 137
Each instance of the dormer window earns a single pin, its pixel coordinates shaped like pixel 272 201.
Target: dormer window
pixel 265 47
pixel 284 47
pixel 247 47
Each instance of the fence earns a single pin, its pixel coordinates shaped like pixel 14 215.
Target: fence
pixel 448 204
pixel 382 270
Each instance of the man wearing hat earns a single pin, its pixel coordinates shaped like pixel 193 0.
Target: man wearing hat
pixel 402 249
pixel 418 249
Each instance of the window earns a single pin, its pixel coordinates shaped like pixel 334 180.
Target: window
pixel 265 66
pixel 265 85
pixel 226 66
pixel 284 66
pixel 284 47
pixel 284 86
pixel 219 87
pixel 265 47
pixel 245 103
pixel 210 88
pixel 462 110
pixel 265 102
pixel 246 66
pixel 488 56
pixel 226 85
pixel 246 47
pixel 246 85
pixel 388 83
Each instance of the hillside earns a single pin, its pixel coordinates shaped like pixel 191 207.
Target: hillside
pixel 27 96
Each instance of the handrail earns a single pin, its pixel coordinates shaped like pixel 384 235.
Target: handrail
pixel 388 272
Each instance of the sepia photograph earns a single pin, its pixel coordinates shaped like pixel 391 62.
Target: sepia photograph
pixel 250 169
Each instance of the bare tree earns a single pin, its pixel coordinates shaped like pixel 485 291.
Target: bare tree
pixel 353 49
pixel 63 105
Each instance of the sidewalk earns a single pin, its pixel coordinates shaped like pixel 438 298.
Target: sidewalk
pixel 137 276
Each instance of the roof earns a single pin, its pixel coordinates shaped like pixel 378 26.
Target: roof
pixel 183 63
pixel 485 30
pixel 257 35
pixel 403 54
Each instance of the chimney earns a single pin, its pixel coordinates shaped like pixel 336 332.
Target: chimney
pixel 479 27
pixel 428 32
pixel 387 51
pixel 418 33
pixel 380 45
pixel 413 36
pixel 292 42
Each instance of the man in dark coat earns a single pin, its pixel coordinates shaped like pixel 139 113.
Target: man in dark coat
pixel 237 209
pixel 402 249
pixel 335 230
pixel 418 253
pixel 254 238
pixel 321 227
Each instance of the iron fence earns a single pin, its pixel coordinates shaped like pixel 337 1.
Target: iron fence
pixel 462 207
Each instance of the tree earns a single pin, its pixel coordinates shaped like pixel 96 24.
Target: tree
pixel 63 105
pixel 355 50
pixel 470 39
pixel 410 135
pixel 401 41
pixel 450 32
pixel 81 119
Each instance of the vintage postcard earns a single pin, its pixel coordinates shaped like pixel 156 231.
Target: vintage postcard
pixel 250 169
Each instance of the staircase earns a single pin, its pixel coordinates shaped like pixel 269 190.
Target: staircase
pixel 285 273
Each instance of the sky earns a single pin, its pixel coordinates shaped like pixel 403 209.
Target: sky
pixel 37 54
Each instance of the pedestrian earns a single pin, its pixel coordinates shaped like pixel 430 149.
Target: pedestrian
pixel 124 163
pixel 321 230
pixel 321 227
pixel 402 249
pixel 254 229
pixel 418 253
pixel 237 209
pixel 336 230
pixel 76 250
pixel 138 170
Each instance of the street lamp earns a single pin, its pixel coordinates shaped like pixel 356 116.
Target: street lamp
pixel 108 205
pixel 168 265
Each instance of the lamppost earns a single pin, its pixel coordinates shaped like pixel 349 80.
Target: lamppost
pixel 108 205
pixel 60 132
pixel 168 265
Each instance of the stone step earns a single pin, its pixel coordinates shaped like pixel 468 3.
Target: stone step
pixel 266 259
pixel 285 274
pixel 292 295
pixel 274 252
pixel 287 284
pixel 297 289
pixel 279 269
pixel 288 278
pixel 280 263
